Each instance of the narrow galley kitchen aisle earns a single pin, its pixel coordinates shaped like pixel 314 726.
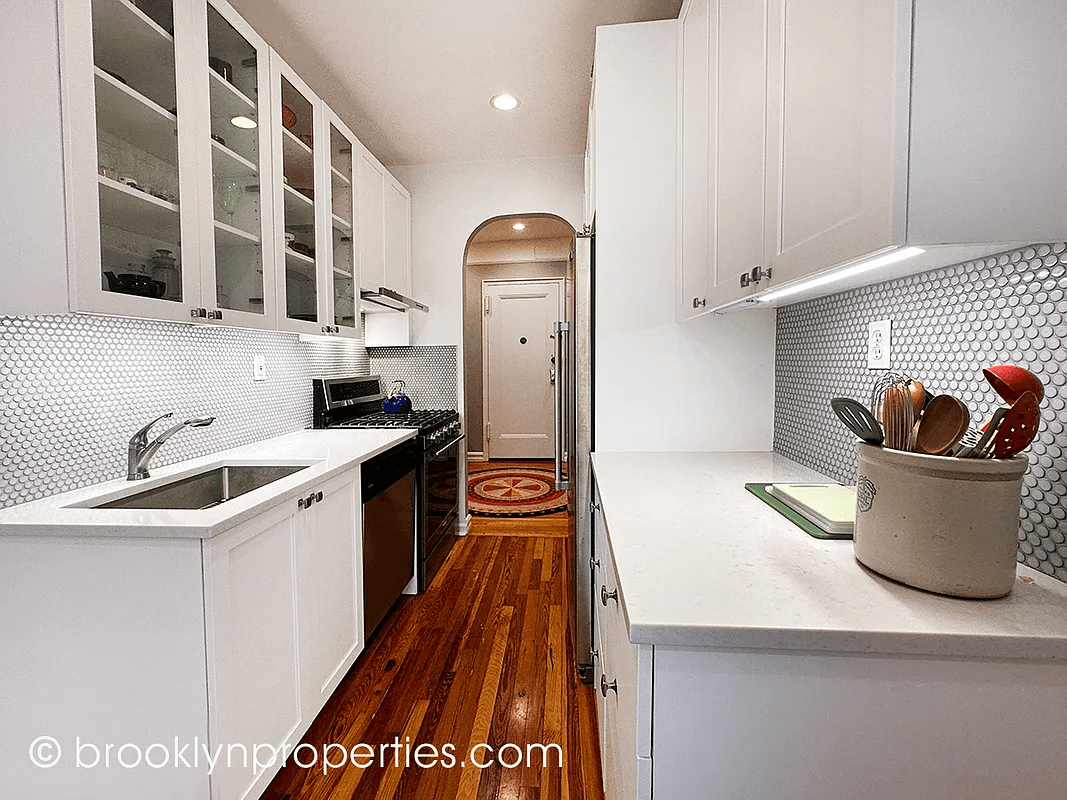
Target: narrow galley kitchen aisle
pixel 483 657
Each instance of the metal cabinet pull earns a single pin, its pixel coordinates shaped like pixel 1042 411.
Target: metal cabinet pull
pixel 746 279
pixel 593 654
pixel 605 595
pixel 594 563
pixel 605 686
pixel 759 273
pixel 318 497
pixel 699 301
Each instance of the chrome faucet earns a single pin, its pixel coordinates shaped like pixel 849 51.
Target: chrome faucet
pixel 141 450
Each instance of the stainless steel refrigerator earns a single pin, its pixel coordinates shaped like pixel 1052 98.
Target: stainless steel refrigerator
pixel 574 432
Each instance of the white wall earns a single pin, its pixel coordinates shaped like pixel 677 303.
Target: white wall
pixel 448 201
pixel 706 384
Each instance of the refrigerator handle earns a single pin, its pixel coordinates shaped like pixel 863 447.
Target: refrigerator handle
pixel 561 329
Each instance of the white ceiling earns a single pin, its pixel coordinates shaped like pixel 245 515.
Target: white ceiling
pixel 413 79
pixel 538 226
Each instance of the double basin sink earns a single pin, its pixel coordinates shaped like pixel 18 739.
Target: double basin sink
pixel 205 489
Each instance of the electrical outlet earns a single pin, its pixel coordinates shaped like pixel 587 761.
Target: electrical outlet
pixel 878 344
pixel 259 368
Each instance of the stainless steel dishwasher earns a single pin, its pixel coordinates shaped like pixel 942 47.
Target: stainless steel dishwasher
pixel 388 482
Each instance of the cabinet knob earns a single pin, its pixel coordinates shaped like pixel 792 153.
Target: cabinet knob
pixel 594 563
pixel 759 273
pixel 605 595
pixel 746 279
pixel 593 654
pixel 699 301
pixel 605 686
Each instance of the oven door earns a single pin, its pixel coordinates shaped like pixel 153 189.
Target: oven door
pixel 442 493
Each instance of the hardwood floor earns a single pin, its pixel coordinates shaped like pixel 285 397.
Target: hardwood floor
pixel 555 525
pixel 485 655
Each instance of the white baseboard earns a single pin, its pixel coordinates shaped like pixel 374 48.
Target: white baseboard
pixel 464 526
pixel 476 455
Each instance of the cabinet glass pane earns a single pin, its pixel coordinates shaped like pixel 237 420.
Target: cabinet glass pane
pixel 344 287
pixel 298 194
pixel 235 166
pixel 137 148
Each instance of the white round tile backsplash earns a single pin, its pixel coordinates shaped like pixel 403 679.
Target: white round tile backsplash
pixel 947 325
pixel 74 388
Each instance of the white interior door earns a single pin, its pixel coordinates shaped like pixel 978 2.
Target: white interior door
pixel 518 354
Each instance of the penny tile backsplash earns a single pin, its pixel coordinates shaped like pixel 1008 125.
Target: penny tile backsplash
pixel 946 325
pixel 74 388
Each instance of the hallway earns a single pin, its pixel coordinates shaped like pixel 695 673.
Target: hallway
pixel 485 656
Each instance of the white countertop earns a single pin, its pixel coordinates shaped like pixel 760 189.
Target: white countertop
pixel 702 562
pixel 326 452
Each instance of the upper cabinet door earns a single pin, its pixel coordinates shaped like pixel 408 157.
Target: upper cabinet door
pixel 132 174
pixel 397 237
pixel 298 192
pixel 837 131
pixel 344 265
pixel 695 223
pixel 371 177
pixel 238 249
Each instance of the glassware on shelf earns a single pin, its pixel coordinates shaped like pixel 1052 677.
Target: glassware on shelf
pixel 228 191
pixel 165 271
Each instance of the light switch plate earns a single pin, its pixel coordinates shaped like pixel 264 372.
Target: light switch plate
pixel 878 344
pixel 259 368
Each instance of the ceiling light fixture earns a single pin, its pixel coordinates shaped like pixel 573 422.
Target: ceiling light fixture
pixel 241 121
pixel 518 226
pixel 504 102
pixel 847 272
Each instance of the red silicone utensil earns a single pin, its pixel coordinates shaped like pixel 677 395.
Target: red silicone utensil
pixel 1019 426
pixel 1011 382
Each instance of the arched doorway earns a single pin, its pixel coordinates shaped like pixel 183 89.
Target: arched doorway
pixel 523 251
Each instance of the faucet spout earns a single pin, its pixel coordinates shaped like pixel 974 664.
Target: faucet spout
pixel 141 450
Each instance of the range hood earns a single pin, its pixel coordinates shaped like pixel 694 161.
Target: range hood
pixel 384 299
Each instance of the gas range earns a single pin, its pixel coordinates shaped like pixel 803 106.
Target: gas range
pixel 356 402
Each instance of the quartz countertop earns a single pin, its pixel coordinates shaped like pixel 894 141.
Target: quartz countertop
pixel 702 562
pixel 326 453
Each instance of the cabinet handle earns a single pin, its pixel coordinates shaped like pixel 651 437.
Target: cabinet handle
pixel 594 563
pixel 759 273
pixel 216 314
pixel 699 301
pixel 593 654
pixel 318 497
pixel 746 279
pixel 604 686
pixel 605 595
pixel 198 313
pixel 594 506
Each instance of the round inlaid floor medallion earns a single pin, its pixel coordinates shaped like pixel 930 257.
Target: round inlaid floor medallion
pixel 514 492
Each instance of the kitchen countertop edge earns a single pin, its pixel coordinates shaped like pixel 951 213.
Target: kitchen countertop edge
pixel 328 453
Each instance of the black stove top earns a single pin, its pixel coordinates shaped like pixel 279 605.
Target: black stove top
pixel 425 420
pixel 357 402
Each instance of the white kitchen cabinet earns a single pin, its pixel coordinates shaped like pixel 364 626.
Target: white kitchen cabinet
pixel 722 110
pixel 622 681
pixel 254 686
pixel 894 124
pixel 329 556
pixel 397 237
pixel 371 177
pixel 153 196
pixel 284 623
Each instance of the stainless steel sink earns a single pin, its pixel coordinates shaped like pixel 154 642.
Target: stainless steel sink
pixel 206 489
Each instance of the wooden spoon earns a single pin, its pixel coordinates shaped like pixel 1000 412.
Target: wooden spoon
pixel 943 423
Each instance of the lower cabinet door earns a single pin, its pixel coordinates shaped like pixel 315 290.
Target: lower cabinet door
pixel 329 558
pixel 253 678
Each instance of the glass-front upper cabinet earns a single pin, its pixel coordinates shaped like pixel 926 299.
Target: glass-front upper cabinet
pixel 344 267
pixel 297 112
pixel 238 78
pixel 125 78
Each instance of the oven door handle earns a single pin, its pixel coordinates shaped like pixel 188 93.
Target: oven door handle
pixel 457 440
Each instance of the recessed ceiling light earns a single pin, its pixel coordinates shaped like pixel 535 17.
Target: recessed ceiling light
pixel 241 121
pixel 504 102
pixel 518 226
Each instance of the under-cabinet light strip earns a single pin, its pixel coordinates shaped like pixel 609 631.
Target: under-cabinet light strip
pixel 846 272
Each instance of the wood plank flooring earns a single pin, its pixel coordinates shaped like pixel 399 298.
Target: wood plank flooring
pixel 557 525
pixel 485 655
